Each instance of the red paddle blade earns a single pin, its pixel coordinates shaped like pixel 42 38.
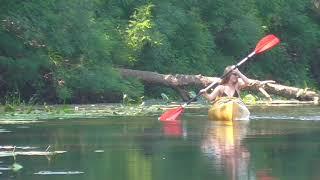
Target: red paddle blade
pixel 266 43
pixel 172 114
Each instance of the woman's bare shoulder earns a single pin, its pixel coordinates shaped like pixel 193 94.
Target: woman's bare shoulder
pixel 241 84
pixel 221 87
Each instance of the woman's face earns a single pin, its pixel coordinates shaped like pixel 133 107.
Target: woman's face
pixel 233 78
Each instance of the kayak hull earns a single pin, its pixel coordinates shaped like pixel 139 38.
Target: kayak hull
pixel 228 109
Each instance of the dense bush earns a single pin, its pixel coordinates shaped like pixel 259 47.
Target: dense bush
pixel 66 51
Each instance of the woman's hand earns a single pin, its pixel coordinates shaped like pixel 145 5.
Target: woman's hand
pixel 245 80
pixel 237 71
pixel 203 91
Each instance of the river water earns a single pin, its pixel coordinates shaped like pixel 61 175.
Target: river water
pixel 276 143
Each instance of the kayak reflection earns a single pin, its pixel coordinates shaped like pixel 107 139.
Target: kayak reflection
pixel 222 144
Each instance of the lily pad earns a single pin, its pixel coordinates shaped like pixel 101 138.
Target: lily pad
pixel 16 167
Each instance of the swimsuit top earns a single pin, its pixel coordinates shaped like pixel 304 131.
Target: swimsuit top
pixel 235 94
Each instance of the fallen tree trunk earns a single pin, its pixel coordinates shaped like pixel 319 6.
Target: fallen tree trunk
pixel 179 83
pixel 168 79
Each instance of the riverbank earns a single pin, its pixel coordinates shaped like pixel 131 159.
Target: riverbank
pixel 29 114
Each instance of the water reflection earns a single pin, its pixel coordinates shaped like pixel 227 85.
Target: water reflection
pixel 172 128
pixel 144 148
pixel 222 144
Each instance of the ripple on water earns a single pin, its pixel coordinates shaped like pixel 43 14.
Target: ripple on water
pixel 283 117
pixel 4 131
pixel 23 127
pixel 5 168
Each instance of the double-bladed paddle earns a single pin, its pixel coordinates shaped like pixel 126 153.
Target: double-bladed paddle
pixel 265 44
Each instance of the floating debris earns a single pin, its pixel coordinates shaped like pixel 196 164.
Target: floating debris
pixel 99 151
pixel 5 154
pixel 39 153
pixel 29 153
pixel 4 131
pixel 14 167
pixel 18 147
pixel 23 127
pixel 16 121
pixel 5 169
pixel 58 172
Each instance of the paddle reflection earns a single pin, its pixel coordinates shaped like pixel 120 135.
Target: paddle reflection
pixel 172 128
pixel 222 144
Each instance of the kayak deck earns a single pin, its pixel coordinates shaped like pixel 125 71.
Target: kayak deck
pixel 228 109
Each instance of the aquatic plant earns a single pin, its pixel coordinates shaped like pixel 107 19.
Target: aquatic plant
pixel 249 99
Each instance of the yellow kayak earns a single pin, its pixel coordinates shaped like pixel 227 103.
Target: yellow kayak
pixel 228 109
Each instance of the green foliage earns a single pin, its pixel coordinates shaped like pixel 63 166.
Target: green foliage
pixel 74 49
pixel 133 88
pixel 249 99
pixel 128 101
pixel 140 28
pixel 165 98
pixel 159 92
pixel 64 93
pixel 65 51
pixel 9 108
pixel 186 45
pixel 299 31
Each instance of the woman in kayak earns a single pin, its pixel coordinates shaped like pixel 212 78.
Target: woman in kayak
pixel 230 85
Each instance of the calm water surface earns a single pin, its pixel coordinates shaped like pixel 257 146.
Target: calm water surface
pixel 277 143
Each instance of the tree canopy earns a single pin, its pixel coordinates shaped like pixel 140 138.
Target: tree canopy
pixel 67 51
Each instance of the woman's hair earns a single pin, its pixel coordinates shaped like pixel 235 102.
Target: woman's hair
pixel 226 75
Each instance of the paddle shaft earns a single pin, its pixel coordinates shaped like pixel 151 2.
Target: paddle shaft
pixel 214 83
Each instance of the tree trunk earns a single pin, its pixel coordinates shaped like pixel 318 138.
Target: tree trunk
pixel 179 83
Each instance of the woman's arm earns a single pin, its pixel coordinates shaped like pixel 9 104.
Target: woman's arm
pixel 212 96
pixel 244 80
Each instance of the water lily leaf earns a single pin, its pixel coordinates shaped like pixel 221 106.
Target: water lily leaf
pixel 16 167
pixel 249 99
